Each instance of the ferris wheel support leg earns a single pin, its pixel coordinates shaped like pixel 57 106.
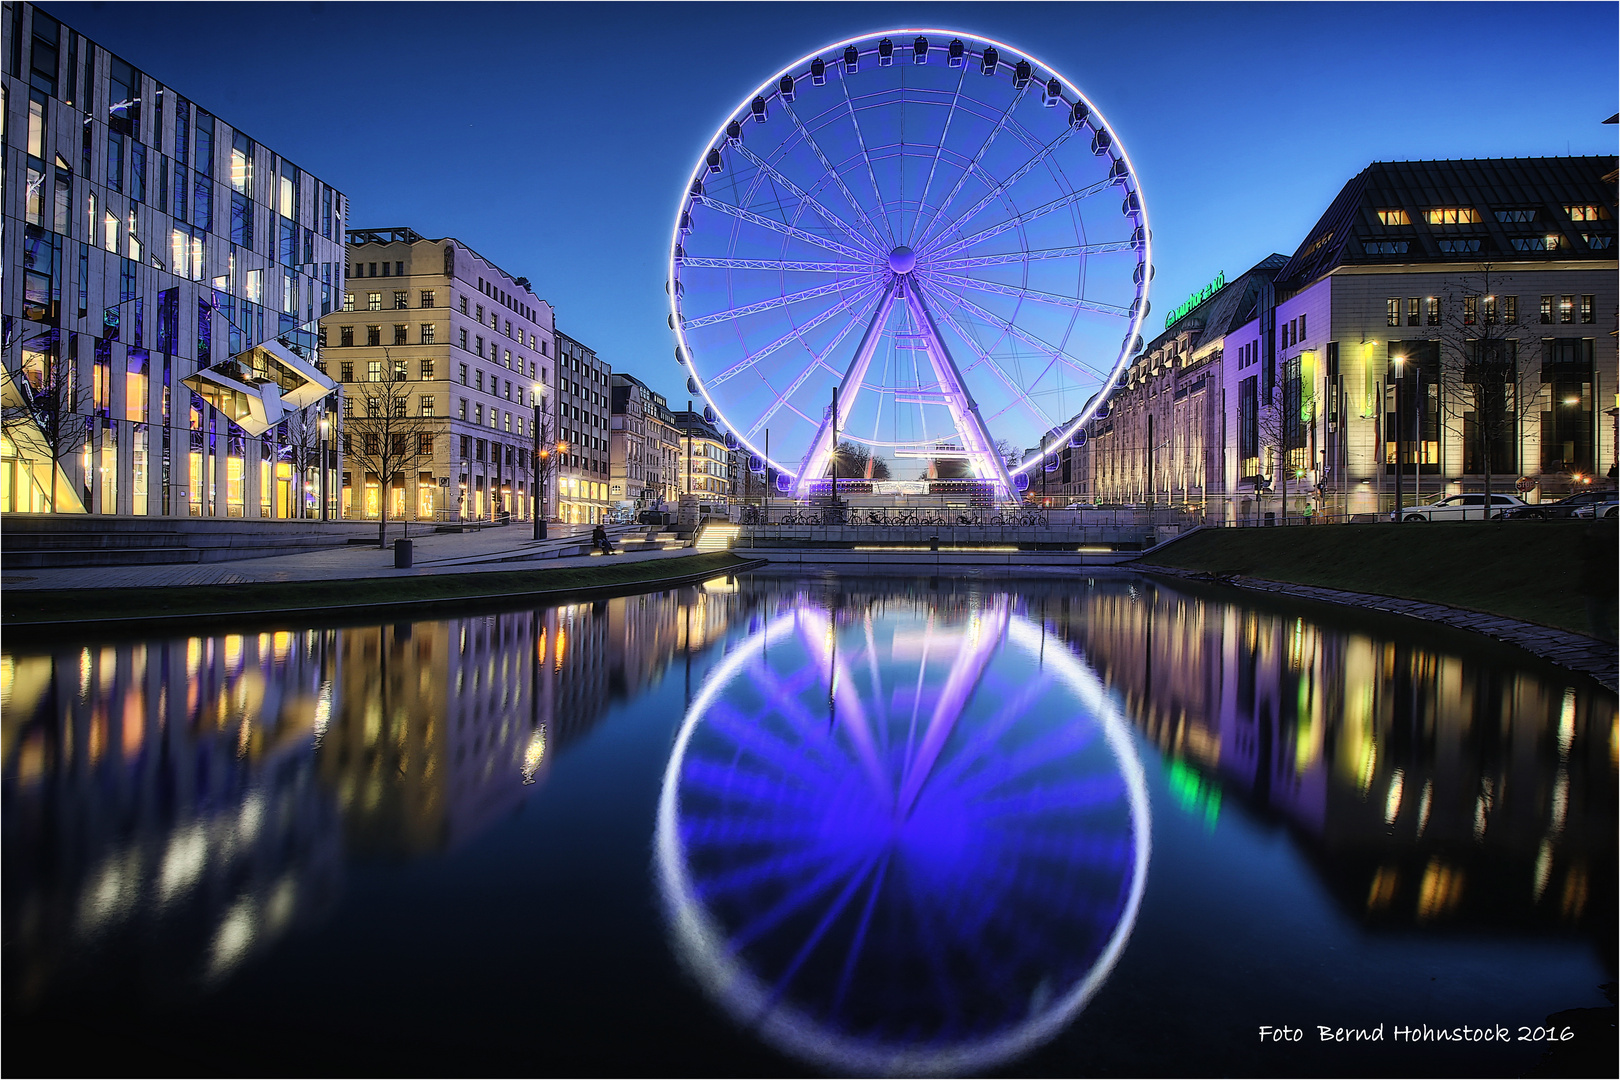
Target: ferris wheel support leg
pixel 815 459
pixel 964 410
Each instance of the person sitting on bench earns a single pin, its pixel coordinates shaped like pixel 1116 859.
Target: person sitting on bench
pixel 599 537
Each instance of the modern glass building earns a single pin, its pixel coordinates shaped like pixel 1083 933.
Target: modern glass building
pixel 163 274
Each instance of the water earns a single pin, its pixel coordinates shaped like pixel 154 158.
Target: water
pixel 804 825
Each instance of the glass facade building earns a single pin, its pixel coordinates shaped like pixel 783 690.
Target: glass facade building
pixel 163 277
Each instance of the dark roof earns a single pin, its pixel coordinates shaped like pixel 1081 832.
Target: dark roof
pixel 1228 308
pixel 1351 232
pixel 699 427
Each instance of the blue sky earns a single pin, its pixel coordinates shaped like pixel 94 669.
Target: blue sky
pixel 555 139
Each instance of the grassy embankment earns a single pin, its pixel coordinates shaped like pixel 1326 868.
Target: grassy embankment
pixel 1553 573
pixel 67 606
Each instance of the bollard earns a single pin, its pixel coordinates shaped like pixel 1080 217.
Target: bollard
pixel 933 543
pixel 402 554
pixel 1271 517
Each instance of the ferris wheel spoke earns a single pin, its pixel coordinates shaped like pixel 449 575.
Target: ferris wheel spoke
pixel 791 336
pixel 1019 257
pixel 939 150
pixel 809 200
pixel 774 302
pixel 1019 220
pixel 1045 348
pixel 784 228
pixel 1038 413
pixel 866 156
pixel 833 174
pixel 973 165
pixel 1006 185
pixel 705 262
pixel 1021 293
pixel 818 360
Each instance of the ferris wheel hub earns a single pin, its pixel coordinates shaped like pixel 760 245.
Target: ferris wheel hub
pixel 902 260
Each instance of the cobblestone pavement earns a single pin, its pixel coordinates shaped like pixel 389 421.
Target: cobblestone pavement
pixel 509 548
pixel 1577 652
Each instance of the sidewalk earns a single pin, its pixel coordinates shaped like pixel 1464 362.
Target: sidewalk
pixel 509 548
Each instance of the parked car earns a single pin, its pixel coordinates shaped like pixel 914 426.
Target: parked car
pixel 1607 507
pixel 1460 508
pixel 655 517
pixel 1569 506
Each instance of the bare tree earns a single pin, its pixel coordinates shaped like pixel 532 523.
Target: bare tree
pixel 382 438
pixel 544 463
pixel 856 461
pixel 46 411
pixel 1285 421
pixel 1489 384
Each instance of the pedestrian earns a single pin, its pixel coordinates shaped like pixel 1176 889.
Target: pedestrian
pixel 599 537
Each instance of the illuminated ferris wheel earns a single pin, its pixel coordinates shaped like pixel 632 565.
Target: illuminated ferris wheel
pixel 938 232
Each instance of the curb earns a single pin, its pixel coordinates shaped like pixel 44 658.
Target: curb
pixel 382 607
pixel 1574 652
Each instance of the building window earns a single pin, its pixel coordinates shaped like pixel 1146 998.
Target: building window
pixel 1393 217
pixel 1411 311
pixel 1470 310
pixel 345 335
pixel 401 299
pixel 424 405
pixel 427 298
pixel 1546 309
pixel 464 305
pixel 1510 309
pixel 1597 242
pixel 424 441
pixel 480 310
pixel 463 408
pixel 348 301
pixel 427 333
pixel 478 414
pixel 1452 215
pixel 373 408
pixel 1386 247
pixel 463 338
pixel 1566 309
pixel 346 370
pixel 509 385
pixel 1537 243
pixel 1459 247
pixel 478 380
pixel 463 374
pixel 1515 217
pixel 400 375
pixel 373 335
pixel 1433 303
pixel 399 334
pixel 374 371
pixel 374 301
pixel 1588 308
pixel 1392 311
pixel 427 369
pixel 480 347
pixel 1585 213
pixel 1490 310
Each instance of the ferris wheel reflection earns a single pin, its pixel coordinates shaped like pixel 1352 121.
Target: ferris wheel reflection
pixel 902 841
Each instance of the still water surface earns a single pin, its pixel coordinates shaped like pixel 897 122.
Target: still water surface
pixel 806 825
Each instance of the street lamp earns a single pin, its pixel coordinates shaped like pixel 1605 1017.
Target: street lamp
pixel 538 507
pixel 326 422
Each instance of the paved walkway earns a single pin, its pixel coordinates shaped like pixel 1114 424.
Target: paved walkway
pixel 508 548
pixel 1577 652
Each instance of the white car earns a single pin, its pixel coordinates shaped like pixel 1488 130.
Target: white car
pixel 1460 508
pixel 1605 508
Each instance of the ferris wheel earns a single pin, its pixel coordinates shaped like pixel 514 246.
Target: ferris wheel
pixel 905 842
pixel 927 243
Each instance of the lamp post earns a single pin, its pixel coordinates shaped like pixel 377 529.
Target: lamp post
pixel 325 424
pixel 537 505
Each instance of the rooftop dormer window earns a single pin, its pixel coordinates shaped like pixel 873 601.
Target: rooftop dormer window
pixel 1452 215
pixel 1393 217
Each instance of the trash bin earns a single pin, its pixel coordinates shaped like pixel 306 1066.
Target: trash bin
pixel 1271 517
pixel 402 554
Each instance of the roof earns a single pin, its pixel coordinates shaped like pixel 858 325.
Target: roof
pixel 1228 308
pixel 1388 213
pixel 402 234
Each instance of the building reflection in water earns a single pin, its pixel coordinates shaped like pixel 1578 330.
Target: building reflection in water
pixel 162 818
pixel 901 836
pixel 1432 788
pixel 172 807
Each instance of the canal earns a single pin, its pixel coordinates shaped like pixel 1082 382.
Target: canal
pixel 807 824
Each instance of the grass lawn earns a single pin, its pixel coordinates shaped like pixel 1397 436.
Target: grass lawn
pixel 1554 573
pixel 73 605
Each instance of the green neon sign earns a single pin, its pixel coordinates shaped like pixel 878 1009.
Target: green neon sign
pixel 1195 299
